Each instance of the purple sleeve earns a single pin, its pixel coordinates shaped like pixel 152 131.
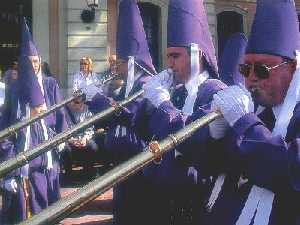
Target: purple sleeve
pixel 171 119
pixel 61 121
pixel 123 143
pixel 167 119
pixel 101 102
pixel 133 114
pixel 8 151
pixel 268 161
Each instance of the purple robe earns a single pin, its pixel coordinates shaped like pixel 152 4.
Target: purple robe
pixel 44 185
pixel 266 161
pixel 169 179
pixel 57 123
pixel 128 113
pixel 171 120
pixel 129 196
pixel 250 152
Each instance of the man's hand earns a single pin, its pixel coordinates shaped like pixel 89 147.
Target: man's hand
pixel 156 95
pixel 234 102
pixel 78 142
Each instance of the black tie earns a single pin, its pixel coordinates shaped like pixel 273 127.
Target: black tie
pixel 179 96
pixel 268 118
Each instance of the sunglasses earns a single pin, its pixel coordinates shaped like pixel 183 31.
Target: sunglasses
pixel 261 70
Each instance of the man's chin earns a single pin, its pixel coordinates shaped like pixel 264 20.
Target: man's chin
pixel 263 102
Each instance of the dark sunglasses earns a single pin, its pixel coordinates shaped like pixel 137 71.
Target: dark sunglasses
pixel 261 70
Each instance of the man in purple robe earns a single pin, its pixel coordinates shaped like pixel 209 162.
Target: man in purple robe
pixel 36 185
pixel 257 159
pixel 125 137
pixel 178 189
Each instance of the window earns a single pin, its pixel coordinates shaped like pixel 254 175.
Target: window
pixel 10 14
pixel 229 22
pixel 151 16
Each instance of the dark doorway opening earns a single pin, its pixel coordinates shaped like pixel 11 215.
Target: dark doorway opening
pixel 229 22
pixel 10 13
pixel 151 16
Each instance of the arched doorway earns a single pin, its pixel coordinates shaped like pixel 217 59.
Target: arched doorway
pixel 229 22
pixel 10 14
pixel 151 16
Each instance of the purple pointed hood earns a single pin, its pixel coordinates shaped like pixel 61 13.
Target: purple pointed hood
pixel 187 23
pixel 30 91
pixel 275 29
pixel 131 37
pixel 28 47
pixel 232 56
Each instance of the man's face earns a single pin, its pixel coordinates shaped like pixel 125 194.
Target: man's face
pixel 84 66
pixel 14 74
pixel 36 110
pixel 77 105
pixel 112 63
pixel 36 63
pixel 178 60
pixel 272 90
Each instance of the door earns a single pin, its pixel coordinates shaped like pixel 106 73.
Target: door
pixel 151 16
pixel 229 22
pixel 10 14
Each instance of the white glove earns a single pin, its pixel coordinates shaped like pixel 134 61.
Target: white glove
pixel 157 95
pixel 218 127
pixel 163 79
pixel 234 102
pixel 11 185
pixel 61 147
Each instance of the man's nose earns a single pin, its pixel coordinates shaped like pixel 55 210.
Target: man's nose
pixel 170 62
pixel 252 75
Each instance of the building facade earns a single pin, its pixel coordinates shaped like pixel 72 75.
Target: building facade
pixel 63 37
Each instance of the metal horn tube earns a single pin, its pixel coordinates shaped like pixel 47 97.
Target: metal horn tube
pixel 14 128
pixel 24 157
pixel 74 201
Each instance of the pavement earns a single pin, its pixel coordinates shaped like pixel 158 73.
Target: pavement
pixel 97 212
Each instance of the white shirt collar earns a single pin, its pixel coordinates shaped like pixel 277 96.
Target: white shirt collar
pixel 192 87
pixel 193 84
pixel 276 110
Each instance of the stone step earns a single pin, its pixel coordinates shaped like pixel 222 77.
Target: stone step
pixel 99 211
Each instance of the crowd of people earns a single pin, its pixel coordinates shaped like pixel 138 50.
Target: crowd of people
pixel 241 169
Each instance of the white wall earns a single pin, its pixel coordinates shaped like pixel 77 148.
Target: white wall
pixel 212 19
pixel 40 27
pixel 86 39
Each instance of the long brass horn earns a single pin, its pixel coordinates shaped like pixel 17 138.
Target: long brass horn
pixel 74 201
pixel 14 128
pixel 24 157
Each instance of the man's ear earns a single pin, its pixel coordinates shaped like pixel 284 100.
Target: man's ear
pixel 201 60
